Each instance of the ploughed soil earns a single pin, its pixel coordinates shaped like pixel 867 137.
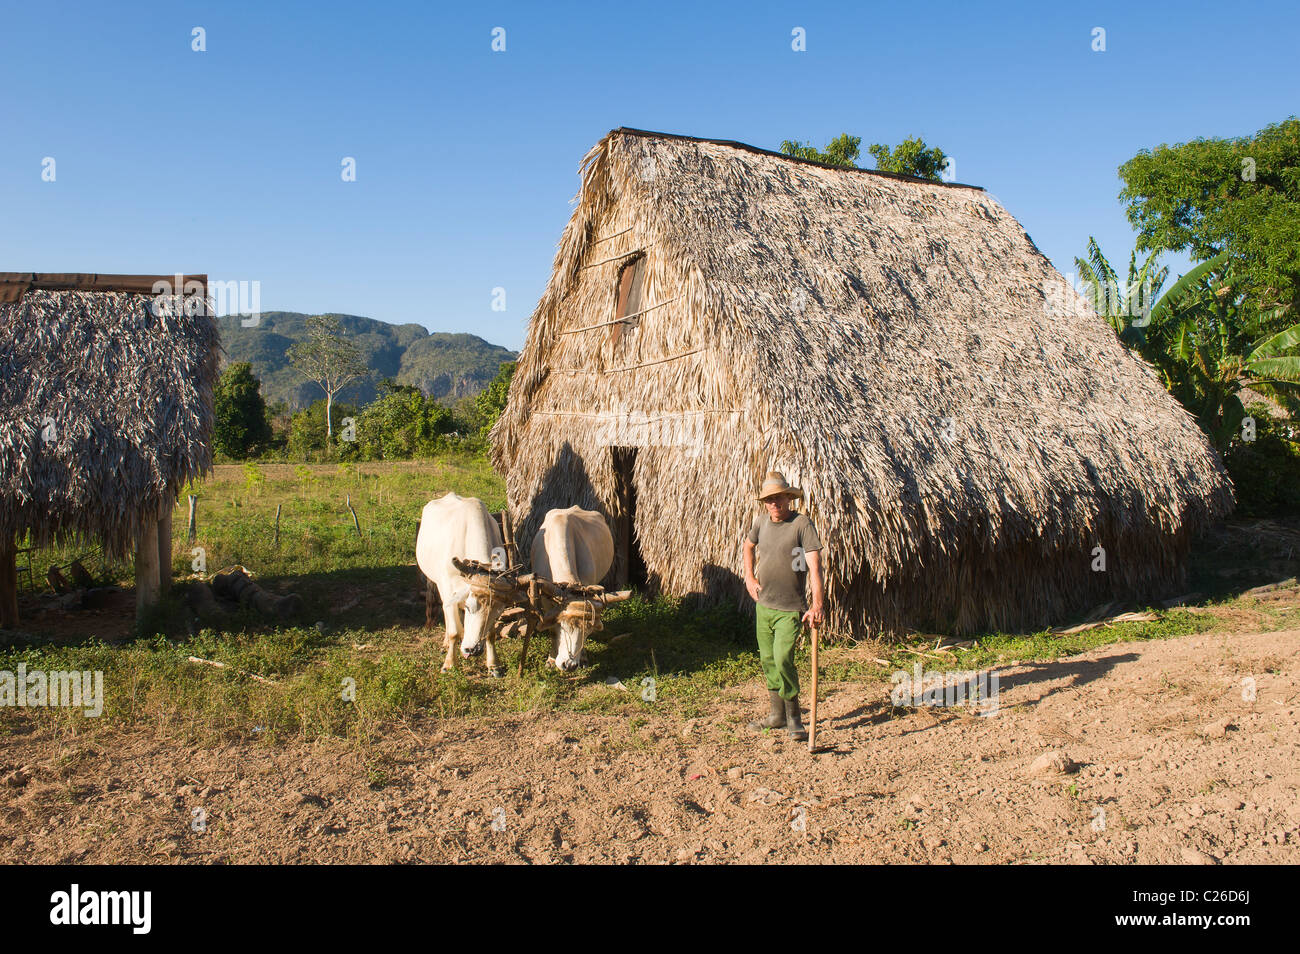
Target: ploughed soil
pixel 1148 752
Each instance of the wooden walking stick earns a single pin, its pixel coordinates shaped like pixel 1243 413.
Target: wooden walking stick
pixel 812 722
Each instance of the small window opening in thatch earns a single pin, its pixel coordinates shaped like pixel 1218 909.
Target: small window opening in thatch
pixel 631 282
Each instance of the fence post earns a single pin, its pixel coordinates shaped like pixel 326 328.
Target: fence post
pixel 194 517
pixel 355 522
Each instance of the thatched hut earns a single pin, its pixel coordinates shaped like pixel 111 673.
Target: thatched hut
pixel 974 442
pixel 105 412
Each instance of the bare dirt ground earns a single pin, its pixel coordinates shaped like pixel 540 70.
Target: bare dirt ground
pixel 1154 757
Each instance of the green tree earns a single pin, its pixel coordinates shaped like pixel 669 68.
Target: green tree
pixel 309 438
pixel 401 425
pixel 279 417
pixel 843 150
pixel 329 359
pixel 242 425
pixel 911 157
pixel 491 401
pixel 466 415
pixel 1240 196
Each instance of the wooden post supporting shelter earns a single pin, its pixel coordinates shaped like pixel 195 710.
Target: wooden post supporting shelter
pixel 165 545
pixel 8 583
pixel 508 537
pixel 146 566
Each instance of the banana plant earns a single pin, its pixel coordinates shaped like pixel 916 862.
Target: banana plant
pixel 1125 305
pixel 1203 342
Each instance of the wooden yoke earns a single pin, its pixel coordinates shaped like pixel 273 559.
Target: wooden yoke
pixel 534 603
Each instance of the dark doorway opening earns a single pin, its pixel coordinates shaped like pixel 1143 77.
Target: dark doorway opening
pixel 629 564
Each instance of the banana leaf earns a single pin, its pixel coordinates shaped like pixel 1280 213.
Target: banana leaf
pixel 1180 288
pixel 1282 341
pixel 1283 368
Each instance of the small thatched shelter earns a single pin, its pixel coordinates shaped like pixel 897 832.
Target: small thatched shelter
pixel 968 432
pixel 105 412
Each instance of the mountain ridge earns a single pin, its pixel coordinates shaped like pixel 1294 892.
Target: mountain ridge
pixel 444 365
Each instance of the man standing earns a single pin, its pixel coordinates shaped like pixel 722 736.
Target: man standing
pixel 788 553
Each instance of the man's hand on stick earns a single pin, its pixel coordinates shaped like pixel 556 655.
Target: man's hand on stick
pixel 815 614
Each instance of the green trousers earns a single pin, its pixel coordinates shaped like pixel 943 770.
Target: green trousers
pixel 777 632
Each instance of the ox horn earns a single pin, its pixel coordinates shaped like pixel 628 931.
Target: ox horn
pixel 618 597
pixel 470 567
pixel 498 580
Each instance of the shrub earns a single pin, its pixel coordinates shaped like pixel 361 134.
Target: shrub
pixel 1265 471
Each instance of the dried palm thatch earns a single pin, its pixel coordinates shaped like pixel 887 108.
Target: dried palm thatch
pixel 105 411
pixel 966 429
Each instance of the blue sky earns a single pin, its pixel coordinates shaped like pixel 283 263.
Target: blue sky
pixel 228 161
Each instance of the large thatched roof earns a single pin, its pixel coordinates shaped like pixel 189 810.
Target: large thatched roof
pixel 105 407
pixel 967 429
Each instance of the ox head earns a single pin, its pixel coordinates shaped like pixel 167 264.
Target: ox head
pixel 482 608
pixel 573 618
pixel 484 596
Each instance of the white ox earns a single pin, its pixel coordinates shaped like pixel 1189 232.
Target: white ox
pixel 455 526
pixel 574 546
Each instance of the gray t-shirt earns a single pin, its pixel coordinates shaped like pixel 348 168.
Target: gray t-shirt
pixel 774 563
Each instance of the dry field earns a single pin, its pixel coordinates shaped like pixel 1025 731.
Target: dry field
pixel 1153 756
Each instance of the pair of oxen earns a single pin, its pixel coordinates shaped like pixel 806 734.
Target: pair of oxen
pixel 460 551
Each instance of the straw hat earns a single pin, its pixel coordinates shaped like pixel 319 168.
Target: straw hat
pixel 775 483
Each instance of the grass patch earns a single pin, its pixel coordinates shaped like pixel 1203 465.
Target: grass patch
pixel 370 664
pixel 237 507
pixel 355 682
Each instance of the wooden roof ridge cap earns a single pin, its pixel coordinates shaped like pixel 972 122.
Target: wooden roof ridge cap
pixel 759 150
pixel 15 285
pixel 95 281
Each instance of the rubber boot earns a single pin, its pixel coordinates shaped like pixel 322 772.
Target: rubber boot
pixel 792 722
pixel 775 716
